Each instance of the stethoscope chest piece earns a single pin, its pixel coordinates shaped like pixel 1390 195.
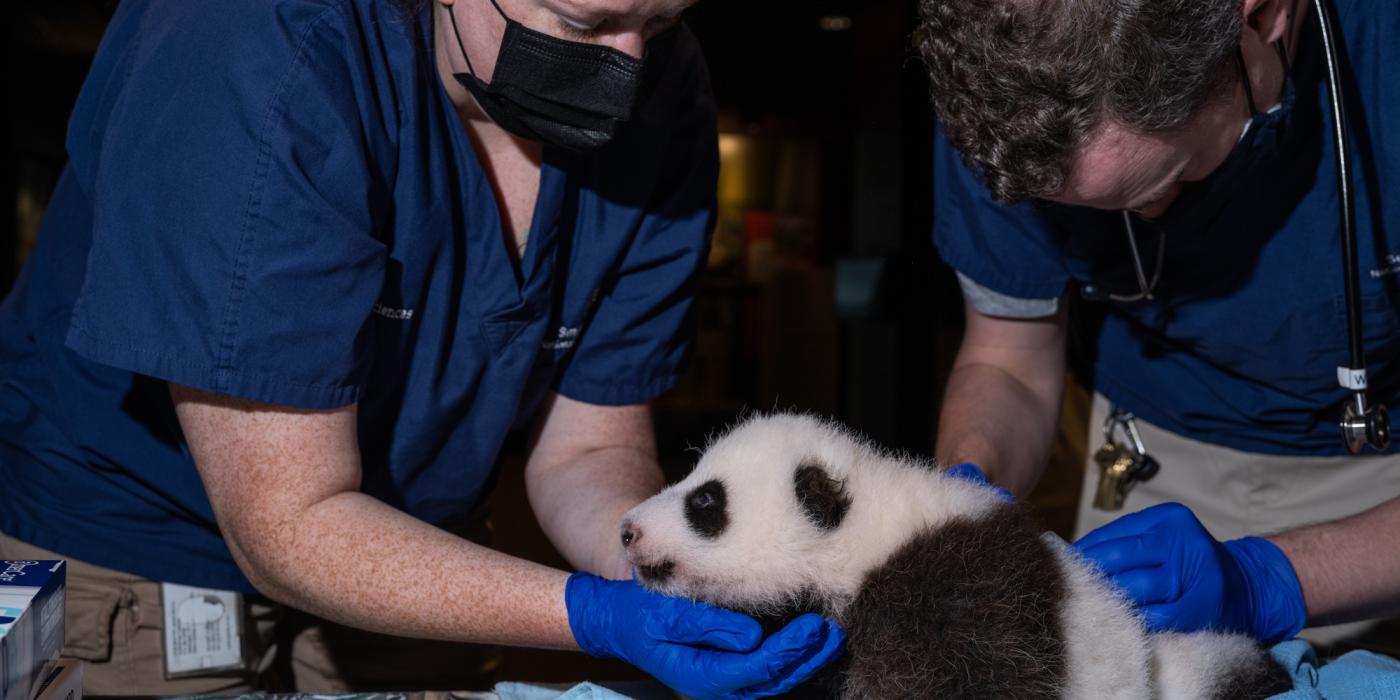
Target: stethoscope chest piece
pixel 1364 425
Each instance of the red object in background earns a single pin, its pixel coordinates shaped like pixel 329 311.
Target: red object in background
pixel 760 246
pixel 759 226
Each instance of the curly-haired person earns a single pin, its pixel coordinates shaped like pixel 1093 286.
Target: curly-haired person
pixel 1168 165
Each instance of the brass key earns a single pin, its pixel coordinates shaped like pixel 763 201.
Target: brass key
pixel 1121 463
pixel 1116 467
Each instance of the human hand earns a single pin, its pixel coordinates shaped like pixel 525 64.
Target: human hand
pixel 697 649
pixel 971 472
pixel 1185 580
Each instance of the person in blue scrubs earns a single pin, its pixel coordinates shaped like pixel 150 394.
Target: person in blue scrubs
pixel 1171 164
pixel 309 264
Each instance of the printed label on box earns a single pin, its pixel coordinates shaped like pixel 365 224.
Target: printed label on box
pixel 31 623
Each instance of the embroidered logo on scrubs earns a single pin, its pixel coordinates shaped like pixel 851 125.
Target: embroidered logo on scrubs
pixel 392 313
pixel 563 339
pixel 1391 266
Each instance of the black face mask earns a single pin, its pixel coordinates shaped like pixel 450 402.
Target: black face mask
pixel 561 93
pixel 1258 153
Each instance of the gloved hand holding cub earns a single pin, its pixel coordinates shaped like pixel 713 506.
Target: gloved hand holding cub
pixel 1185 580
pixel 697 649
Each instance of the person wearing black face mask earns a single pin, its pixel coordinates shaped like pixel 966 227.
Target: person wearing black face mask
pixel 1167 168
pixel 567 94
pixel 310 263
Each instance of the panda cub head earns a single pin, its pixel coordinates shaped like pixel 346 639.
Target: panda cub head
pixel 754 525
pixel 787 511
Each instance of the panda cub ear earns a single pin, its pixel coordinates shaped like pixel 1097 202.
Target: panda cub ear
pixel 823 499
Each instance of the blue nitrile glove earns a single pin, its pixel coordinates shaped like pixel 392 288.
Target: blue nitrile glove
pixel 972 472
pixel 1185 580
pixel 699 650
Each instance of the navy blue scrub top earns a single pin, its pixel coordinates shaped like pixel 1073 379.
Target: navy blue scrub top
pixel 276 201
pixel 1240 347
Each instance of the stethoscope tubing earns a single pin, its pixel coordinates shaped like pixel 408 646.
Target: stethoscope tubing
pixel 1347 207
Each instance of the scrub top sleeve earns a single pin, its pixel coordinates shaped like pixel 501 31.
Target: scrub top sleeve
pixel 1010 250
pixel 641 332
pixel 234 204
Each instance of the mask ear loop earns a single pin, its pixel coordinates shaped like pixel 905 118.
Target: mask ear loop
pixel 1248 89
pixel 457 33
pixel 452 16
pixel 1285 64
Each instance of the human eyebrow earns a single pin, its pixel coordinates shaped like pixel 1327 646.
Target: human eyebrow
pixel 675 9
pixel 664 22
pixel 1161 191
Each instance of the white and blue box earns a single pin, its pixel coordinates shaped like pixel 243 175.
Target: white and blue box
pixel 31 623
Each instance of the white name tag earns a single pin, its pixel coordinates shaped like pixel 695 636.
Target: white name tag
pixel 203 630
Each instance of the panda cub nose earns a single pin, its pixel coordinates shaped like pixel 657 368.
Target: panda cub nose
pixel 630 534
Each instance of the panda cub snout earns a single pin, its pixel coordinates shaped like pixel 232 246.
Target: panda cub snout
pixel 664 555
pixel 652 569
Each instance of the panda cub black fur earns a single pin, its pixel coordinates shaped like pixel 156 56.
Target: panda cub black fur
pixel 945 589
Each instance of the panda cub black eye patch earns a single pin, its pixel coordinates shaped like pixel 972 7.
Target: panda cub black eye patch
pixel 823 499
pixel 707 509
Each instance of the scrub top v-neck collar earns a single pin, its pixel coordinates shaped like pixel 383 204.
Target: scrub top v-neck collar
pixel 529 282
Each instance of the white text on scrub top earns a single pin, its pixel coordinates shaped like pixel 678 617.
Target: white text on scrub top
pixel 1392 267
pixel 563 340
pixel 394 314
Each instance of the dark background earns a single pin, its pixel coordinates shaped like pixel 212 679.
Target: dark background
pixel 824 293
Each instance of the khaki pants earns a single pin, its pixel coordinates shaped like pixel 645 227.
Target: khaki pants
pixel 114 623
pixel 1238 493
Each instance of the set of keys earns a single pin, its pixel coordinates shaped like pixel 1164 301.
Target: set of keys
pixel 1123 460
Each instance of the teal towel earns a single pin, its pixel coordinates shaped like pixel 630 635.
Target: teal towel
pixel 604 690
pixel 582 691
pixel 1359 675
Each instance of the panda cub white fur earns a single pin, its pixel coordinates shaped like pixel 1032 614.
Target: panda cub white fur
pixel 945 589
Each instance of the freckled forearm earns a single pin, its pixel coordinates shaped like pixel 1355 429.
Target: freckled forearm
pixel 580 505
pixel 355 560
pixel 284 484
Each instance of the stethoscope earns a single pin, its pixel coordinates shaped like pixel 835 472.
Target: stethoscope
pixel 1362 423
pixel 1124 458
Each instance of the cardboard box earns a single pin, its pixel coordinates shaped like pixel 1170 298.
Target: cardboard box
pixel 31 623
pixel 63 680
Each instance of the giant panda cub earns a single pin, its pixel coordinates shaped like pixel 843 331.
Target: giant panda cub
pixel 945 589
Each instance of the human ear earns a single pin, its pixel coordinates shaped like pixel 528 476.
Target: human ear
pixel 1269 19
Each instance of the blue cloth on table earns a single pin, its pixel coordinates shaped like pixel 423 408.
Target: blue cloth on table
pixel 1355 674
pixel 582 691
pixel 625 690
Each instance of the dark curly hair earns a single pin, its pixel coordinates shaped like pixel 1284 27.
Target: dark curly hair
pixel 1019 84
